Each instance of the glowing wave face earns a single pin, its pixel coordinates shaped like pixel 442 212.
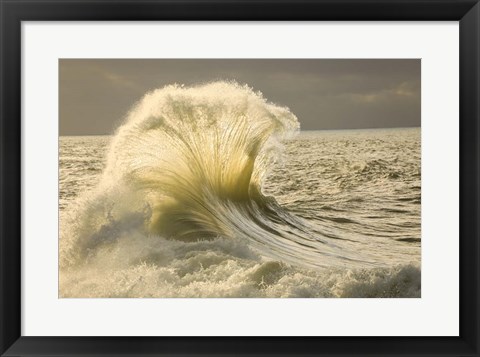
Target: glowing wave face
pixel 188 164
pixel 192 149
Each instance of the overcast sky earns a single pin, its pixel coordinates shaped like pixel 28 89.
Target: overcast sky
pixel 95 94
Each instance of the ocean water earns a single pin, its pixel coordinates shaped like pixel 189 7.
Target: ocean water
pixel 214 192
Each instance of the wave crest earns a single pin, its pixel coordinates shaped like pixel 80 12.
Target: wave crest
pixel 187 148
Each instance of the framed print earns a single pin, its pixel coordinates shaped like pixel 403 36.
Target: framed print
pixel 296 178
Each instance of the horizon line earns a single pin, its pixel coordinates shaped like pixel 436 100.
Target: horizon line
pixel 301 130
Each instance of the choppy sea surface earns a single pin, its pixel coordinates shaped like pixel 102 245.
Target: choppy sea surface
pixel 188 202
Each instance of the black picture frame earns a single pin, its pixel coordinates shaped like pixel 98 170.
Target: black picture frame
pixel 13 12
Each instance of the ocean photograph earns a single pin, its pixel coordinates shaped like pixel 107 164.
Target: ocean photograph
pixel 239 178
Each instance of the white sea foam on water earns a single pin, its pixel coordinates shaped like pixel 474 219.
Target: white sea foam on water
pixel 207 192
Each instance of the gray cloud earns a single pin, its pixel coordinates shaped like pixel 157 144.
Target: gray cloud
pixel 95 94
